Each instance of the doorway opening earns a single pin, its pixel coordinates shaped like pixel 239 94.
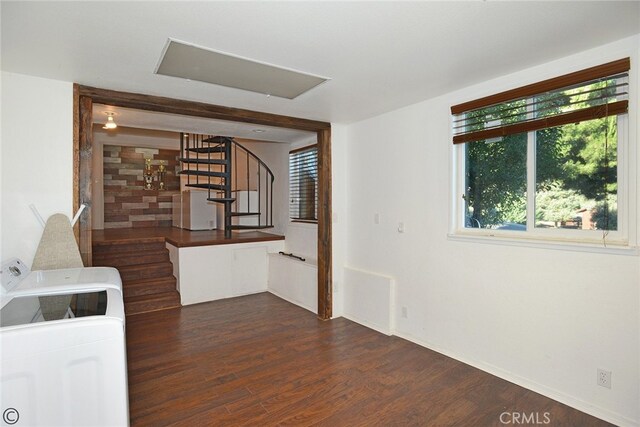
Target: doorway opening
pixel 85 98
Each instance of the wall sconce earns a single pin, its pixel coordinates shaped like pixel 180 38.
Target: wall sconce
pixel 148 175
pixel 162 171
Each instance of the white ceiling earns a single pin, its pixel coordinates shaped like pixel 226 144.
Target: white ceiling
pixel 379 55
pixel 131 118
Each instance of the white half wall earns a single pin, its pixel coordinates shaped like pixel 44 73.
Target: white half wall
pixel 545 319
pixel 302 239
pixel 294 280
pixel 209 273
pixel 37 158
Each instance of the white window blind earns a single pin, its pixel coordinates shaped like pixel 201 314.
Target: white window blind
pixel 303 184
pixel 588 94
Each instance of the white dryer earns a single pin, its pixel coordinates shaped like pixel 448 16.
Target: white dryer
pixel 67 371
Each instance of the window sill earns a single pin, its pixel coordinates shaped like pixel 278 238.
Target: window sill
pixel 303 224
pixel 303 221
pixel 612 248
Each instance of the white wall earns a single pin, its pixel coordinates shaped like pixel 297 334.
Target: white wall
pixel 545 319
pixel 37 158
pixel 301 237
pixel 1 204
pixel 339 197
pixel 208 273
pixel 294 280
pixel 276 156
pixel 377 312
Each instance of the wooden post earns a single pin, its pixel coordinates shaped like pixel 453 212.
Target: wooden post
pixel 85 176
pixel 76 159
pixel 324 225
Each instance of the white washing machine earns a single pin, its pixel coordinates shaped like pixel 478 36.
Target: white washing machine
pixel 64 371
pixel 17 279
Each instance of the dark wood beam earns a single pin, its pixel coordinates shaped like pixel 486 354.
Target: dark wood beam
pixel 197 109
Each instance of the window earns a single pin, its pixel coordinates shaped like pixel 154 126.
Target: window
pixel 303 184
pixel 542 160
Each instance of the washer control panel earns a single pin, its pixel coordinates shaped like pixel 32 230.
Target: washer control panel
pixel 12 273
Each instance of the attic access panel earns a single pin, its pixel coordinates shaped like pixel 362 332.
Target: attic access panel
pixel 205 65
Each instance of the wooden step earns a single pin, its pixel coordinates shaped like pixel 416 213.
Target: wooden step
pixel 218 139
pixel 250 227
pixel 122 246
pixel 244 213
pixel 205 161
pixel 216 149
pixel 211 186
pixel 160 285
pixel 145 271
pixel 204 173
pixel 222 199
pixel 123 259
pixel 145 303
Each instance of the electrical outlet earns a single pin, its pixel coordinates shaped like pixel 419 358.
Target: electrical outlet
pixel 604 378
pixel 404 312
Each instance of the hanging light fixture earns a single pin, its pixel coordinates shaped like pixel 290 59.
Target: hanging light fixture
pixel 110 123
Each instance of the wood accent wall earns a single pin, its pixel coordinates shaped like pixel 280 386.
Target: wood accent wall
pixel 126 203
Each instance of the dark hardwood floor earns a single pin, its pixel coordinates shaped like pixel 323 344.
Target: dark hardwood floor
pixel 260 361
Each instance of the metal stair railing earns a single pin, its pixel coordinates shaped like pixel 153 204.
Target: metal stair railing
pixel 217 173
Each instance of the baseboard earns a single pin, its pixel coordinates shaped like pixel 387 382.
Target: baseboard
pixel 242 294
pixel 551 393
pixel 291 301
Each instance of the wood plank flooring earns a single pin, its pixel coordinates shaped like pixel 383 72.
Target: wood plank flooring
pixel 260 361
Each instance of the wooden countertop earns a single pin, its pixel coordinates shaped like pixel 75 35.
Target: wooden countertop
pixel 179 237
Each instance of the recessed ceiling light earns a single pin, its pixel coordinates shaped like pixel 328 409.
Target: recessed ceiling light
pixel 187 61
pixel 258 130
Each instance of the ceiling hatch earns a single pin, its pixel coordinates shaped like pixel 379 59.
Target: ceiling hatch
pixel 191 62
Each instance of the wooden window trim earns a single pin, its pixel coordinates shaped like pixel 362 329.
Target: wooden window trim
pixel 308 147
pixel 198 109
pixel 582 76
